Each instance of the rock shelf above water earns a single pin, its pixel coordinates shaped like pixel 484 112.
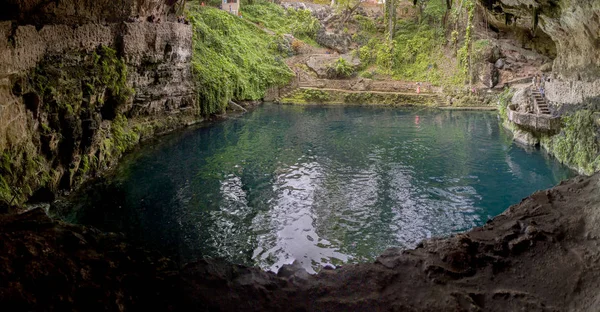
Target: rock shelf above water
pixel 540 255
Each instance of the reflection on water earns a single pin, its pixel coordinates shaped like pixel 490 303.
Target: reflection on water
pixel 318 185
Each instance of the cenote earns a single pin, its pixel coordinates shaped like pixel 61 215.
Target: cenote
pixel 321 185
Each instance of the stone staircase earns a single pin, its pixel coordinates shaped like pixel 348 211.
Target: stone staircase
pixel 540 103
pixel 440 101
pixel 287 93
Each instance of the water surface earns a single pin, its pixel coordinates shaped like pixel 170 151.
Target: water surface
pixel 321 185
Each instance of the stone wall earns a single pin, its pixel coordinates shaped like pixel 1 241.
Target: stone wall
pixel 572 92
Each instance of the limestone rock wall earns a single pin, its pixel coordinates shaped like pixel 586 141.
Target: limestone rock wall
pixel 81 82
pixel 574 26
pixel 43 12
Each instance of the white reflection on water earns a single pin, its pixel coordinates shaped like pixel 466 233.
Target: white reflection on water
pixel 226 234
pixel 293 235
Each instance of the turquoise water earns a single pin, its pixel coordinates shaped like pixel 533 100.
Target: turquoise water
pixel 321 185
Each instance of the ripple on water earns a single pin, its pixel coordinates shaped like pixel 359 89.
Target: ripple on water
pixel 320 185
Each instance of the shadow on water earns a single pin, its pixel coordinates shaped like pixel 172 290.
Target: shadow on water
pixel 321 185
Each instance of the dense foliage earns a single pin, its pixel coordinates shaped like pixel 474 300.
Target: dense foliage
pixel 417 51
pixel 413 55
pixel 577 145
pixel 340 69
pixel 233 59
pixel 299 23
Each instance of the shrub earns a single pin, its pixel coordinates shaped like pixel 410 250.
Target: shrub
pixel 577 144
pixel 300 23
pixel 297 45
pixel 318 96
pixel 340 69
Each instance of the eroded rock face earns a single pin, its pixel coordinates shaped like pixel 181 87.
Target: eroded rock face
pixel 573 25
pixel 79 91
pixel 489 75
pixel 41 12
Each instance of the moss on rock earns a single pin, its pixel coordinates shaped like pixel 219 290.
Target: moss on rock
pixel 577 145
pixel 72 98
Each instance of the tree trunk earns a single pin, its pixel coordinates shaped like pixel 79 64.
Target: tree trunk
pixel 448 8
pixel 391 18
pixel 348 13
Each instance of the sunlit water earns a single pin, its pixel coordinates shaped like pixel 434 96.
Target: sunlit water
pixel 321 185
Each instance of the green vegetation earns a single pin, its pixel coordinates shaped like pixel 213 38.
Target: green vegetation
pixel 314 95
pixel 62 90
pixel 233 59
pixel 299 23
pixel 21 171
pixel 464 54
pixel 121 138
pixel 340 69
pixel 413 55
pixel 354 98
pixel 577 145
pixel 417 51
pixel 504 99
pixel 67 87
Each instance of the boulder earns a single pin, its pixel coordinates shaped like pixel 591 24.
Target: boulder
pixel 336 41
pixel 499 63
pixel 520 98
pixel 525 138
pixel 547 67
pixel 320 63
pixel 362 85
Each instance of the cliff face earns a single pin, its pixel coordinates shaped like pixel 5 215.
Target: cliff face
pixel 574 26
pixel 71 12
pixel 83 81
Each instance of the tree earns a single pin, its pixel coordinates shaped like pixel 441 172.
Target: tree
pixel 390 11
pixel 348 8
pixel 448 8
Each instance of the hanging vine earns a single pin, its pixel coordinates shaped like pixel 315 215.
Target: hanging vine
pixel 464 53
